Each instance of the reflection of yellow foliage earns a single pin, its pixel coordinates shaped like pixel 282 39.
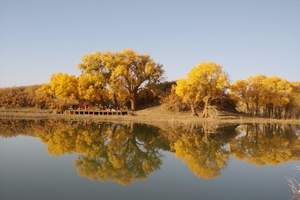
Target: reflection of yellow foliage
pixel 266 145
pixel 122 160
pixel 124 153
pixel 108 153
pixel 61 141
pixel 204 156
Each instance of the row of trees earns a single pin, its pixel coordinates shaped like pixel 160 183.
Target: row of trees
pixel 267 96
pixel 258 95
pixel 126 78
pixel 18 97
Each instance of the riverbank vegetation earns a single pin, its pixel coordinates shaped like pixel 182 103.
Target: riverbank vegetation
pixel 129 80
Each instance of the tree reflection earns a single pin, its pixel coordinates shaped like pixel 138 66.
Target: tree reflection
pixel 13 128
pixel 123 158
pixel 124 153
pixel 266 144
pixel 204 152
pixel 108 152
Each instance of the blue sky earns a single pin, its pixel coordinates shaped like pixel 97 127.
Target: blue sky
pixel 38 38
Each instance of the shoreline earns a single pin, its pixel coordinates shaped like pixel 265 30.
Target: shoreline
pixel 144 117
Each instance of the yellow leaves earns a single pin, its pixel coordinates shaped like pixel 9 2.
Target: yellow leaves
pixel 209 79
pixel 204 81
pixel 64 85
pixel 109 152
pixel 91 87
pixel 119 71
pixel 116 162
pixel 149 69
pixel 262 94
pixel 125 72
pixel 182 88
pixel 97 62
pixel 205 158
pixel 266 144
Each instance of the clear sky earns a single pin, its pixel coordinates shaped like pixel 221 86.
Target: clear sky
pixel 38 38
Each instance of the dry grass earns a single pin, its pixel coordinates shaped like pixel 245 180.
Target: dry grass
pixel 153 115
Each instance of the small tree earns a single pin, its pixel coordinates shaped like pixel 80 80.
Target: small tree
pixel 64 87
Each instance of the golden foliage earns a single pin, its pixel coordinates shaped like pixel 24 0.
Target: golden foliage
pixel 204 82
pixel 266 145
pixel 262 95
pixel 91 87
pixel 127 153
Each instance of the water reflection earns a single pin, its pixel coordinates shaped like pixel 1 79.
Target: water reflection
pixel 203 149
pixel 266 144
pixel 124 153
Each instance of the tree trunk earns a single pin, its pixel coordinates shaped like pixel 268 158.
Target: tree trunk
pixel 116 103
pixel 205 113
pixel 132 103
pixel 194 112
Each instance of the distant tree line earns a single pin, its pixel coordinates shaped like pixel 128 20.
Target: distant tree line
pixel 127 79
pixel 17 97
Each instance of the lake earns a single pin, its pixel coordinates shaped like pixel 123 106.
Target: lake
pixel 56 159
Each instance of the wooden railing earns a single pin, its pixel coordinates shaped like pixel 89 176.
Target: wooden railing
pixel 94 112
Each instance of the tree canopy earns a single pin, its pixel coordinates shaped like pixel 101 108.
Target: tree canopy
pixel 205 82
pixel 124 74
pixel 265 96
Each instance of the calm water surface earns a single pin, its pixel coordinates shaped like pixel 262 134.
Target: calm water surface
pixel 83 160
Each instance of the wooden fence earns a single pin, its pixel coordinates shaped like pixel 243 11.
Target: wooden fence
pixel 94 112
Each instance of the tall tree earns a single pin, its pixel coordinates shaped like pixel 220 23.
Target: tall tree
pixel 204 83
pixel 125 73
pixel 135 72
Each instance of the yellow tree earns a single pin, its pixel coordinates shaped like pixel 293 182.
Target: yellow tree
pixel 204 83
pixel 256 92
pixel 44 96
pixel 249 93
pixel 255 95
pixel 293 108
pixel 96 70
pixel 279 88
pixel 125 73
pixel 91 87
pixel 239 91
pixel 64 88
pixel 133 73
